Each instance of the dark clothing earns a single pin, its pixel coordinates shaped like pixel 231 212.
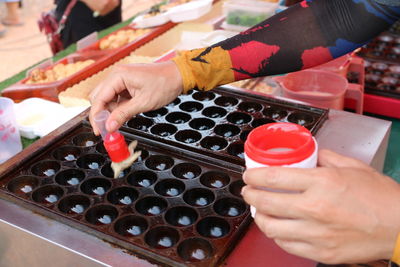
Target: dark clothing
pixel 81 22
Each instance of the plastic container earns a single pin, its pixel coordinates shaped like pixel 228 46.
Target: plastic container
pixel 242 14
pixel 280 144
pixel 190 11
pixel 184 12
pixel 321 88
pixel 38 117
pixel 10 141
pixel 114 142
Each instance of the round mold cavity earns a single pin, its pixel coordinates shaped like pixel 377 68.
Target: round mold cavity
pixel 302 119
pixel 100 148
pixel 393 55
pixel 386 87
pixel 199 197
pixel 47 194
pixel 181 216
pixel 159 162
pixel 227 130
pixel 214 143
pixel 213 227
pixel 236 187
pixel 379 66
pixel 108 171
pixel 177 101
pixel 74 204
pixel 151 206
pixel 163 129
pixel 385 38
pixel 250 107
pixel 186 171
pixel 275 113
pixel 85 140
pixel 67 153
pixel 170 187
pixel 122 195
pixel 214 112
pixel 261 121
pixel 236 149
pixel 215 180
pixel 202 124
pixel 191 106
pixel 372 77
pixel 96 186
pixel 91 161
pixel 230 207
pixel 188 136
pixel 23 184
pixel 244 134
pixel 140 123
pixel 142 178
pixel 143 155
pixel 156 113
pixel 239 118
pixel 45 168
pixel 131 225
pixel 195 249
pixel 101 215
pixel 70 177
pixel 178 117
pixel 162 237
pixel 226 101
pixel 377 53
pixel 390 80
pixel 204 96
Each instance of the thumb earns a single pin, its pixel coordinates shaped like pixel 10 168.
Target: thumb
pixel 328 158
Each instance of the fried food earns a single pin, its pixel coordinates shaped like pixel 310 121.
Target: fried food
pixel 58 72
pixel 121 38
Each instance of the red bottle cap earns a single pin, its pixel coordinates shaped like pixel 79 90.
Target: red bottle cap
pixel 116 147
pixel 277 144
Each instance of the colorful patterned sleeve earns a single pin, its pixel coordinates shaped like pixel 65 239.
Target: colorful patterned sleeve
pixel 304 35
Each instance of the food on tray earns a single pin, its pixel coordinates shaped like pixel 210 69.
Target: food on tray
pixel 121 38
pixel 58 72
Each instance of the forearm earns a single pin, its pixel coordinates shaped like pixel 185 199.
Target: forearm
pixel 303 36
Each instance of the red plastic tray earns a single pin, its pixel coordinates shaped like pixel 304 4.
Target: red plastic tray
pixel 103 58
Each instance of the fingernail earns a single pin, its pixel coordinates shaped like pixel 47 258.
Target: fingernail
pixel 112 126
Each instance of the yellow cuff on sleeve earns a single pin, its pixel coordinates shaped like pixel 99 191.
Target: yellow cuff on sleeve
pixel 204 68
pixel 396 253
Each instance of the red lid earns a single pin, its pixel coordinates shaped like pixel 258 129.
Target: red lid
pixel 279 144
pixel 116 147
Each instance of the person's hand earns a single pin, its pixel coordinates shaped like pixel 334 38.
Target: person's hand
pixel 103 7
pixel 134 88
pixel 345 211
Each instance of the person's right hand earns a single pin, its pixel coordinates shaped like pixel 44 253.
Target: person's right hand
pixel 134 88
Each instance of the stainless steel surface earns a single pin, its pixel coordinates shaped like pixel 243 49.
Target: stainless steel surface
pixel 28 239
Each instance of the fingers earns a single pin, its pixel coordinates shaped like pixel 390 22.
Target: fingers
pixel 328 158
pixel 272 203
pixel 105 93
pixel 280 178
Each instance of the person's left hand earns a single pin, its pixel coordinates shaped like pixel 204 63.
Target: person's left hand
pixel 345 211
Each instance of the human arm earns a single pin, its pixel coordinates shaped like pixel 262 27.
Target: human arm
pixel 103 7
pixel 305 35
pixel 345 212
